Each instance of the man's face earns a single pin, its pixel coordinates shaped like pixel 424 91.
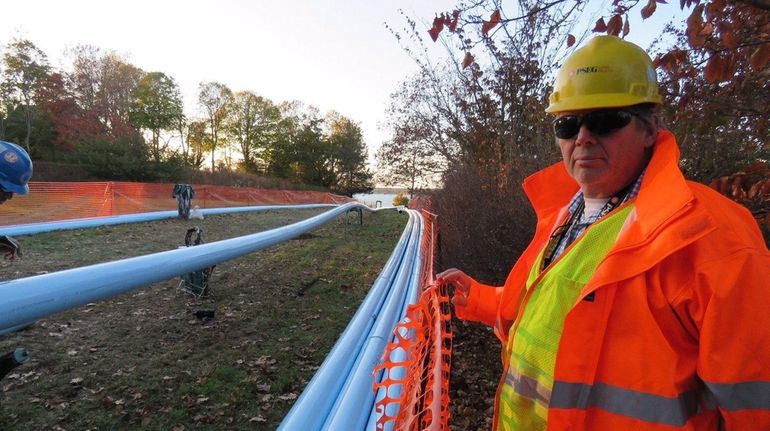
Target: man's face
pixel 607 151
pixel 4 196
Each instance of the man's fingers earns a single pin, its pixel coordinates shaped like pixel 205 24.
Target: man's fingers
pixel 459 300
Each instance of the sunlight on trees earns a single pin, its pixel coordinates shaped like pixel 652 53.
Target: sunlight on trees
pixel 118 121
pixel 157 106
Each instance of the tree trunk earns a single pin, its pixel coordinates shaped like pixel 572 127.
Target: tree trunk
pixel 28 120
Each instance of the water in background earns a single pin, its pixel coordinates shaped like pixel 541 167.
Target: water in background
pixel 370 199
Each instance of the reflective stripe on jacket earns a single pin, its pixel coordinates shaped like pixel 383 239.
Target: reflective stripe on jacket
pixel 677 334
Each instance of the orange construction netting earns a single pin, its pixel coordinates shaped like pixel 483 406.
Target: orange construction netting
pixel 51 201
pixel 416 365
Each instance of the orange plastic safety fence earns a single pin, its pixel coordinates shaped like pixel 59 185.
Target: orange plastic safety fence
pixel 416 365
pixel 421 202
pixel 49 201
pixel 419 384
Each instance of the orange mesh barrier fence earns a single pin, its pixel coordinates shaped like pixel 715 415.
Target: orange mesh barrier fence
pixel 421 202
pixel 49 201
pixel 423 401
pixel 416 365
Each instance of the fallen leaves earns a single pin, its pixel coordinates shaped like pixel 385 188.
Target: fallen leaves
pixel 288 397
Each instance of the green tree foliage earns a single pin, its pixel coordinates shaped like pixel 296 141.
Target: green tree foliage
pixel 128 159
pixel 300 151
pixel 280 154
pixel 215 99
pixel 25 69
pixel 347 156
pixel 253 125
pixel 122 123
pixel 157 106
pixel 400 199
pixel 310 154
pixel 32 125
pixel 123 158
pixel 197 143
pixel 307 148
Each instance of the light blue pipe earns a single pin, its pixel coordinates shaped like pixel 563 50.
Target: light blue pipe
pixel 312 407
pixel 88 222
pixel 356 400
pixel 397 373
pixel 27 299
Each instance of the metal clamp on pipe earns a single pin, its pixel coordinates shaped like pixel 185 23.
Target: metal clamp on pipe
pixel 11 360
pixel 360 213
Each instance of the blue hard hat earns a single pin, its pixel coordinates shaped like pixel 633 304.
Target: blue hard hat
pixel 15 168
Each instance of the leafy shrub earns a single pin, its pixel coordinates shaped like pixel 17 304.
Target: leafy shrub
pixel 485 221
pixel 125 158
pixel 400 199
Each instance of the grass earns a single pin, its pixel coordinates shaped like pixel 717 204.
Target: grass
pixel 141 360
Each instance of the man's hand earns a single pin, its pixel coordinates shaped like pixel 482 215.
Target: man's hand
pixel 10 247
pixel 462 282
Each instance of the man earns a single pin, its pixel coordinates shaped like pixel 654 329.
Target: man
pixel 643 301
pixel 15 172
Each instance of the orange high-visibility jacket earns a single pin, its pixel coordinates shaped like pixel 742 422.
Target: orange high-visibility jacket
pixel 673 330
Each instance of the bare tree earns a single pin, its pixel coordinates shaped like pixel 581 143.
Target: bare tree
pixel 215 99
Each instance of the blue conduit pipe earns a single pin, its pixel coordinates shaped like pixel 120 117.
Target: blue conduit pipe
pixel 356 401
pixel 397 356
pixel 27 299
pixel 326 403
pixel 81 223
pixel 312 407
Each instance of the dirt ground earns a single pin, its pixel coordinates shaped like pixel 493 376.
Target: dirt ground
pixel 476 369
pixel 143 360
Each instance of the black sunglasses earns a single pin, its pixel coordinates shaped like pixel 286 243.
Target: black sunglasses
pixel 602 122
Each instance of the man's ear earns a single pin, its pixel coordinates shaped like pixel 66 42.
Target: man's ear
pixel 650 127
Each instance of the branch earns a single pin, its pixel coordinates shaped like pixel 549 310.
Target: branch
pixel 740 108
pixel 759 4
pixel 535 11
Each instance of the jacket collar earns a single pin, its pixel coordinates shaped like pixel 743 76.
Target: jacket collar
pixel 665 200
pixel 664 190
pixel 550 189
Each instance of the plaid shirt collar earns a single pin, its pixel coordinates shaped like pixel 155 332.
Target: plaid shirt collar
pixel 576 229
pixel 578 200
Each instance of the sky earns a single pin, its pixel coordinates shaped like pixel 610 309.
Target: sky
pixel 333 54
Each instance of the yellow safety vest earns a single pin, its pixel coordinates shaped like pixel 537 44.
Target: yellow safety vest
pixel 533 340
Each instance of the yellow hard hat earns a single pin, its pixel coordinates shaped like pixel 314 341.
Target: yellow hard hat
pixel 607 72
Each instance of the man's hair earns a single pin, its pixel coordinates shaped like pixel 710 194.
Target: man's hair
pixel 647 112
